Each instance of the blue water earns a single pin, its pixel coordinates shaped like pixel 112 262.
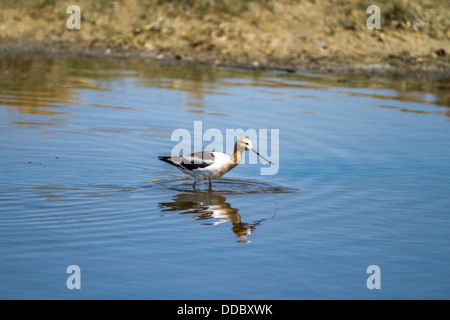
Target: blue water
pixel 363 179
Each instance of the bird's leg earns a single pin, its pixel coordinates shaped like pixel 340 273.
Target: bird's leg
pixel 210 185
pixel 193 186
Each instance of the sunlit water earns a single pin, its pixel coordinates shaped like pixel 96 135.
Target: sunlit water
pixel 363 179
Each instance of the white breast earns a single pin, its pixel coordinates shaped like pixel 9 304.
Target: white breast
pixel 212 171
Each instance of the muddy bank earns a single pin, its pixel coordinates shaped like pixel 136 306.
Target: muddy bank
pixel 391 65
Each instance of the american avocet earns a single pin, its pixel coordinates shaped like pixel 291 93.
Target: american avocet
pixel 207 165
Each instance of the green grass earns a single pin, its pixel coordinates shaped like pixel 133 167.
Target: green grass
pixel 430 17
pixel 403 14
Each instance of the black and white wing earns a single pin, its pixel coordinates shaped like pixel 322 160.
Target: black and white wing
pixel 191 162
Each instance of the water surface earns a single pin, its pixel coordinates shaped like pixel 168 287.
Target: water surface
pixel 364 179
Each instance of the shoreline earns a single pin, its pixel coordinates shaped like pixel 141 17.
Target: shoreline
pixel 391 66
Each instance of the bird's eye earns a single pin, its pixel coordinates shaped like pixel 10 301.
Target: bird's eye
pixel 246 143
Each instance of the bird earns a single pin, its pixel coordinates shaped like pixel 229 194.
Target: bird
pixel 207 165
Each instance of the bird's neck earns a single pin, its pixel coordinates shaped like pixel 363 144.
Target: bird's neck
pixel 237 155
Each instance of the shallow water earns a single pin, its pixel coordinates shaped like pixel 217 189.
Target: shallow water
pixel 363 179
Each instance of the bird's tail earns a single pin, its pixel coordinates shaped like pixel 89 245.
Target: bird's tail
pixel 169 160
pixel 165 159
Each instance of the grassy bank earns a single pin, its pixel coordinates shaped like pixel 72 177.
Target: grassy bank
pixel 308 34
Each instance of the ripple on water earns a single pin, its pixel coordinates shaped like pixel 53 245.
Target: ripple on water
pixel 224 186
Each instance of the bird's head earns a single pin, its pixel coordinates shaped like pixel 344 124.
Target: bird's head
pixel 246 144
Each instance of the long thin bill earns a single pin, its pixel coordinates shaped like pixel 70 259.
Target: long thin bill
pixel 261 156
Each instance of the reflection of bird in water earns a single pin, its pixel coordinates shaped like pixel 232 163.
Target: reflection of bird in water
pixel 210 205
pixel 208 165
